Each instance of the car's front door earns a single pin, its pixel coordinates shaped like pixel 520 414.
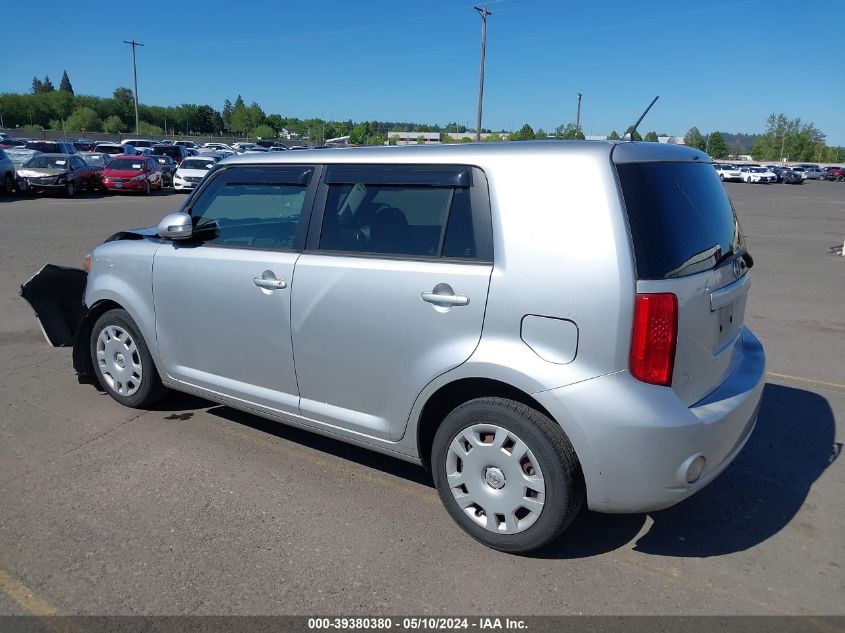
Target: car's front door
pixel 222 298
pixel 390 292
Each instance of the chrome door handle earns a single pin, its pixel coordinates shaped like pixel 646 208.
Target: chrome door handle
pixel 269 284
pixel 449 300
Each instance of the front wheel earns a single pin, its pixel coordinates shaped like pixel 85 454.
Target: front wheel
pixel 507 474
pixel 9 184
pixel 122 361
pixel 70 190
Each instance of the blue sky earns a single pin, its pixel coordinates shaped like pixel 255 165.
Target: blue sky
pixel 716 65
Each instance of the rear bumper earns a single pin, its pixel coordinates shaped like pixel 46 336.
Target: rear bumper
pixel 637 441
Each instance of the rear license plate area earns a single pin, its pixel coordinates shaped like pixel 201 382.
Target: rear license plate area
pixel 726 322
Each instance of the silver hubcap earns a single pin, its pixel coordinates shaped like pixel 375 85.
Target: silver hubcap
pixel 495 478
pixel 119 360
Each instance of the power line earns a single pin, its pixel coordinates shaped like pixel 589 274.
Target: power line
pixel 483 11
pixel 133 43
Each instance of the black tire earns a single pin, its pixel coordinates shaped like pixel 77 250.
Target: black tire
pixel 9 184
pixel 564 483
pixel 150 389
pixel 70 189
pixel 722 177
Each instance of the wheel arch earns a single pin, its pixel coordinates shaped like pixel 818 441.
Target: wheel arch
pixel 82 363
pixel 451 395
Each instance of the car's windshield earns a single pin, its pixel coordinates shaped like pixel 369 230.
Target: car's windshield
pixel 126 163
pixel 166 150
pixel 109 149
pixel 197 164
pixel 94 159
pixel 48 162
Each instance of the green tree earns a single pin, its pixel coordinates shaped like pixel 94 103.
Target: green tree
pixel 262 131
pixel 569 132
pixel 694 139
pixel 275 121
pixel 84 120
pixel 227 112
pixel 113 124
pixel 717 146
pixel 149 129
pixel 47 85
pixel 651 137
pixel 614 136
pixel 525 133
pixel 37 86
pixel 65 85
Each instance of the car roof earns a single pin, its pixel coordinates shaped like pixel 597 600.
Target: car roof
pixel 57 155
pixel 470 153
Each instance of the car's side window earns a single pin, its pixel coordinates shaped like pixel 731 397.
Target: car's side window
pixel 411 211
pixel 258 208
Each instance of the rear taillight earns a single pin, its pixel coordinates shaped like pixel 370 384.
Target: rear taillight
pixel 654 337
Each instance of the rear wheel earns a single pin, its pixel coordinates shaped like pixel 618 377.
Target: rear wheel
pixel 9 184
pixel 122 361
pixel 507 474
pixel 70 189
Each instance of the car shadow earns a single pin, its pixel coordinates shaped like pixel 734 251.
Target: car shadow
pixel 179 402
pixel 756 497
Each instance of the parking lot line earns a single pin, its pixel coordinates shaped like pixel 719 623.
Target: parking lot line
pixel 810 381
pixel 24 596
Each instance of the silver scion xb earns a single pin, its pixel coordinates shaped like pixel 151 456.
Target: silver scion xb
pixel 542 325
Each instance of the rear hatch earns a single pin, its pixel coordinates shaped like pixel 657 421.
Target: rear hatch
pixel 687 241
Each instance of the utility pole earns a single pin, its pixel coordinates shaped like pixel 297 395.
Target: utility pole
pixel 578 118
pixel 133 44
pixel 483 11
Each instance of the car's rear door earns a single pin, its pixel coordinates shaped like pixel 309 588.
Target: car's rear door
pixel 222 299
pixel 390 292
pixel 687 241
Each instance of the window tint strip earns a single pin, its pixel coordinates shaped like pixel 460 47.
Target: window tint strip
pixel 420 176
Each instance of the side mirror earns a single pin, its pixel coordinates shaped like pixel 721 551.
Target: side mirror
pixel 176 226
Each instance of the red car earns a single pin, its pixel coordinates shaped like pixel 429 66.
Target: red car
pixel 132 173
pixel 836 173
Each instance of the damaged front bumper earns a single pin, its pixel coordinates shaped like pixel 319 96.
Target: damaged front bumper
pixel 57 295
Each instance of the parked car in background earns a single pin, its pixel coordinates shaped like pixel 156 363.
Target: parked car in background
pixel 19 155
pixel 242 147
pixel 800 171
pixel 787 176
pixel 81 144
pixel 98 162
pixel 8 143
pixel 168 168
pixel 177 152
pixel 133 173
pixel 191 171
pixel 727 171
pixel 138 142
pixel 7 173
pixel 58 173
pixel 186 144
pixel 814 172
pixel 757 175
pixel 217 146
pixel 51 147
pixel 835 173
pixel 116 148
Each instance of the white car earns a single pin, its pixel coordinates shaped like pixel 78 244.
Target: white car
pixel 728 172
pixel 800 171
pixel 242 147
pixel 191 171
pixel 221 146
pixel 757 174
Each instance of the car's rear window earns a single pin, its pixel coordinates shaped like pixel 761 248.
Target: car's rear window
pixel 167 150
pixel 680 217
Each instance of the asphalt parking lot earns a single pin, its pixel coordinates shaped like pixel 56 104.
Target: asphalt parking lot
pixel 195 508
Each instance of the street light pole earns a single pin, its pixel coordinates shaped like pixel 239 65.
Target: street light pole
pixel 483 11
pixel 578 118
pixel 133 44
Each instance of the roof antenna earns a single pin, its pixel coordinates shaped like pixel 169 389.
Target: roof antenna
pixel 629 135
